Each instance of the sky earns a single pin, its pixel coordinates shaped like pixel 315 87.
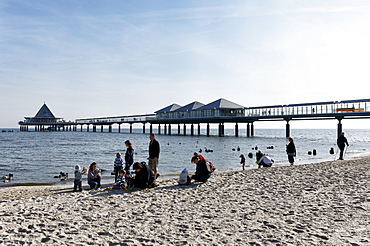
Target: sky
pixel 109 58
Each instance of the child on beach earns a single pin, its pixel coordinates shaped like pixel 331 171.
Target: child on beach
pixel 242 161
pixel 78 178
pixel 118 162
pixel 120 181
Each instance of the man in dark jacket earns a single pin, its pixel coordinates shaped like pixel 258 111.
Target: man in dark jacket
pixel 341 142
pixel 144 177
pixel 154 150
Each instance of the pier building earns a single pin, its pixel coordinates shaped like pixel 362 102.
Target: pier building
pixel 218 112
pixel 44 120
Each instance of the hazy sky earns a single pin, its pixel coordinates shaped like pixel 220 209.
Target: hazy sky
pixel 107 58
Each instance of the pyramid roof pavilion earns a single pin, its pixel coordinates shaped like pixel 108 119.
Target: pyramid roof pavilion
pixel 191 106
pixel 169 108
pixel 221 103
pixel 44 112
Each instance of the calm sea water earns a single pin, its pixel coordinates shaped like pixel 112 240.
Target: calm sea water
pixel 36 157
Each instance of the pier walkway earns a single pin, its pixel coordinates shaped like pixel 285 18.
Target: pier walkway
pixel 218 112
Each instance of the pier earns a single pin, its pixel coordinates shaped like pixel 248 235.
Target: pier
pixel 176 117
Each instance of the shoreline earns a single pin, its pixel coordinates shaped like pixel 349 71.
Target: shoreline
pixel 252 166
pixel 325 203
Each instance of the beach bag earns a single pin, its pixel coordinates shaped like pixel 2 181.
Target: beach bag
pixel 184 178
pixel 211 168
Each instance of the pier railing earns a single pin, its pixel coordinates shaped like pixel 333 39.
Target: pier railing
pixel 117 119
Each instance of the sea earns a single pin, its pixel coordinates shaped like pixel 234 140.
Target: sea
pixel 37 158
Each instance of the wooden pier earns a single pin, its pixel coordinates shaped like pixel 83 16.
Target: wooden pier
pixel 218 112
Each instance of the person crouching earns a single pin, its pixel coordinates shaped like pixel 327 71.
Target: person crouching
pixel 201 171
pixel 144 176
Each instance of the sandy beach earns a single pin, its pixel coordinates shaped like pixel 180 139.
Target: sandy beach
pixel 317 204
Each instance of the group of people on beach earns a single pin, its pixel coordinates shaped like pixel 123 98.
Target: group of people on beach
pixel 263 160
pixel 145 174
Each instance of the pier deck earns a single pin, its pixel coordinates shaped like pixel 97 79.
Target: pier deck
pixel 220 112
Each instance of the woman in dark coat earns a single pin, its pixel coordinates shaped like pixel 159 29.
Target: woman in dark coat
pixel 129 155
pixel 291 151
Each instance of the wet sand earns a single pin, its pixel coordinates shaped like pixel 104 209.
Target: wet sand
pixel 316 204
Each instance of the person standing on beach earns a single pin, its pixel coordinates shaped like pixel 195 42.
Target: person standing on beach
pixel 259 155
pixel 117 165
pixel 129 155
pixel 242 161
pixel 341 142
pixel 291 151
pixel 93 176
pixel 154 150
pixel 78 178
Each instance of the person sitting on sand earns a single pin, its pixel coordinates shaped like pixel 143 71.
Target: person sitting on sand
pixel 93 176
pixel 144 176
pixel 201 171
pixel 120 181
pixel 128 178
pixel 265 161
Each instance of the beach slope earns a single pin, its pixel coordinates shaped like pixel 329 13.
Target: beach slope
pixel 316 204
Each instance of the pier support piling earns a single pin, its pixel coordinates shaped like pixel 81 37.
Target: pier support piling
pixel 287 129
pixel 340 127
pixel 236 130
pixel 192 130
pixel 207 129
pixel 143 127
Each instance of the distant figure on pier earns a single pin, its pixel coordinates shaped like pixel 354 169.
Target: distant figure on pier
pixel 129 155
pixel 341 142
pixel 265 161
pixel 291 151
pixel 154 150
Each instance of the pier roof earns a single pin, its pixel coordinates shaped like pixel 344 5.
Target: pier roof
pixel 221 103
pixel 169 108
pixel 191 106
pixel 44 112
